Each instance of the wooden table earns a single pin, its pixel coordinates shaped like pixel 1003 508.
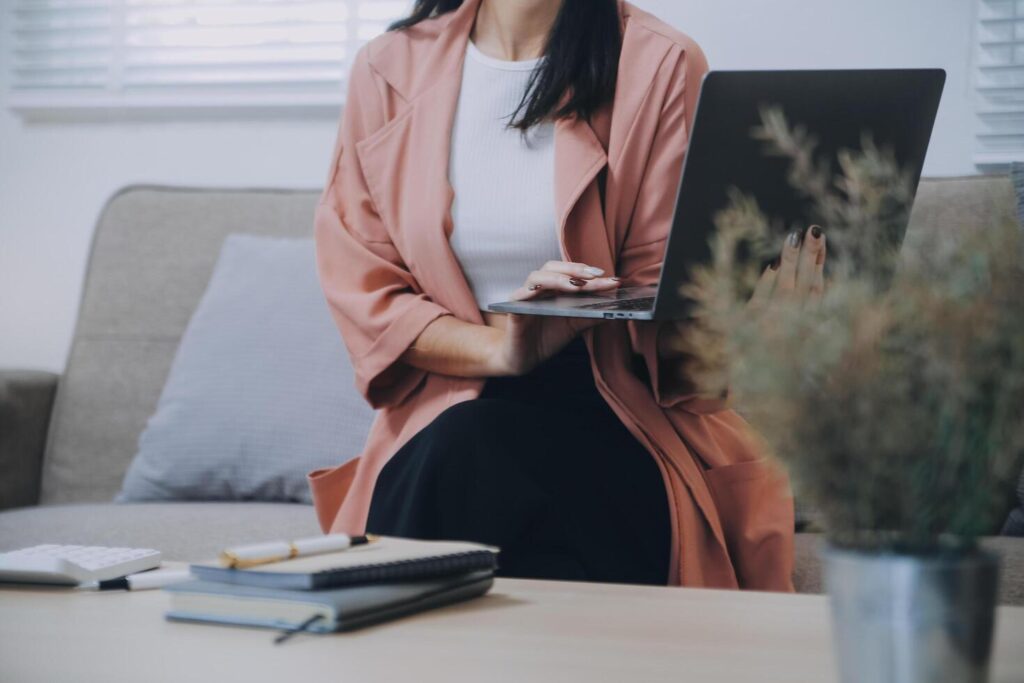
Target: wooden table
pixel 522 631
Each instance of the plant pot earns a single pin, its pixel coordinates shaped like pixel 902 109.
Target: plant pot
pixel 903 618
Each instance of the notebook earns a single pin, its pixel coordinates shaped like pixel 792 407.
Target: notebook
pixel 388 559
pixel 340 609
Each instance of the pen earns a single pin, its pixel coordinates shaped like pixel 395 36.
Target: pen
pixel 244 556
pixel 156 578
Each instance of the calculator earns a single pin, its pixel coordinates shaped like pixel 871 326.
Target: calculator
pixel 70 565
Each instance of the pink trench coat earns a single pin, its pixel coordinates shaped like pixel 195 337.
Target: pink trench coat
pixel 382 226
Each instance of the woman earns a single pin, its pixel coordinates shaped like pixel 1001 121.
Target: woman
pixel 514 148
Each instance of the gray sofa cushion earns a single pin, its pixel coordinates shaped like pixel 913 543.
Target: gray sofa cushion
pixel 947 208
pixel 181 531
pixel 1014 525
pixel 260 391
pixel 808 574
pixel 1017 173
pixel 26 397
pixel 152 254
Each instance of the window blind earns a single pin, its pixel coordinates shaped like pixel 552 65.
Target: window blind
pixel 1000 81
pixel 125 54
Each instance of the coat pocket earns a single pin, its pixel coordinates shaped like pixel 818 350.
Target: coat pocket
pixel 755 507
pixel 329 486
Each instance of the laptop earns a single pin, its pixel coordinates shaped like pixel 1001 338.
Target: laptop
pixel 898 106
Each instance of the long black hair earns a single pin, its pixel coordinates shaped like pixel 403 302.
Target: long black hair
pixel 582 54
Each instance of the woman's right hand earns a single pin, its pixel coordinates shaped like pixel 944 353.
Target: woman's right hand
pixel 529 340
pixel 563 277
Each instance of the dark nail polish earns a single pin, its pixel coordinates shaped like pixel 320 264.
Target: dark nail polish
pixel 774 265
pixel 576 282
pixel 794 239
pixel 816 231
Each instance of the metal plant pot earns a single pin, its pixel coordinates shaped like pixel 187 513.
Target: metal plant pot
pixel 912 618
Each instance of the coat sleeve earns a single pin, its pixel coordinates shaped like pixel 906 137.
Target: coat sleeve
pixel 642 252
pixel 377 304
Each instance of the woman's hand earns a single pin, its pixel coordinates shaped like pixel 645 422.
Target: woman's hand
pixel 563 277
pixel 797 275
pixel 529 340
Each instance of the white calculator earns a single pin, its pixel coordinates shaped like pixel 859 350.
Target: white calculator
pixel 70 565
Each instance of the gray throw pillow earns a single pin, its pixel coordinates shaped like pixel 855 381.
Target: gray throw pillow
pixel 260 391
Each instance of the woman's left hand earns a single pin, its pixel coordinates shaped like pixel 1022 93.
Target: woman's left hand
pixel 796 275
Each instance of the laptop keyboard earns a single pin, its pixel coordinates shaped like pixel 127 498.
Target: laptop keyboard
pixel 641 304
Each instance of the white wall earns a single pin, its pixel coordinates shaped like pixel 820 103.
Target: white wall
pixel 54 178
pixel 836 34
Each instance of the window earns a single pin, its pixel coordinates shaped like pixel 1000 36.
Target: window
pixel 174 55
pixel 1000 82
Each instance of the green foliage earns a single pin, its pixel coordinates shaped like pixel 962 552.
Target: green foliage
pixel 897 404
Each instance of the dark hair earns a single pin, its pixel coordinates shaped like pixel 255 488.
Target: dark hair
pixel 582 59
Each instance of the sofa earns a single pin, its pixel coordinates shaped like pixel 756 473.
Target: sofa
pixel 66 441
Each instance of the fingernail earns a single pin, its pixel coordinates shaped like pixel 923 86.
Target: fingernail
pixel 617 279
pixel 594 272
pixel 794 239
pixel 576 282
pixel 816 231
pixel 774 265
pixel 534 288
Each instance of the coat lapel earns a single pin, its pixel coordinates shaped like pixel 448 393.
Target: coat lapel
pixel 406 165
pixel 579 158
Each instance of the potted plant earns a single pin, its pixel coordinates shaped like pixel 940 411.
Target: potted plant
pixel 896 404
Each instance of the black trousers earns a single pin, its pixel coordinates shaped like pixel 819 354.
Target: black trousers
pixel 540 466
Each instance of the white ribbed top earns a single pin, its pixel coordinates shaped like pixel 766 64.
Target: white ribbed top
pixel 504 224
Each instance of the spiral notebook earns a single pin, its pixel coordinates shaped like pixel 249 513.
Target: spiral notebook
pixel 386 560
pixel 323 611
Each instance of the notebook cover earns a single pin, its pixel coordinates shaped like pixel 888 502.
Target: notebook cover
pixel 353 607
pixel 384 561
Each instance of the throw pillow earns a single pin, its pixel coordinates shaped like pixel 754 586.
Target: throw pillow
pixel 260 391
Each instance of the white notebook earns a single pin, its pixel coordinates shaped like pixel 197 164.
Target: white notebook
pixel 387 559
